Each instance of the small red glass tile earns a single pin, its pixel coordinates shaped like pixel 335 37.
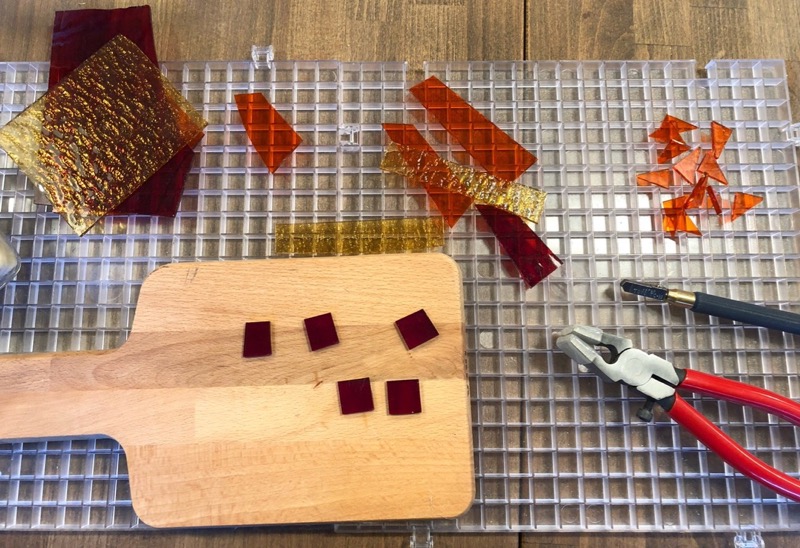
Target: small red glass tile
pixel 321 331
pixel 710 167
pixel 403 397
pixel 534 260
pixel 257 340
pixel 492 148
pixel 77 35
pixel 715 201
pixel 452 205
pixel 743 202
pixel 355 396
pixel 271 135
pixel 416 329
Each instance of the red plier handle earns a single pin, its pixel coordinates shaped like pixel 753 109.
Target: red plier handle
pixel 716 440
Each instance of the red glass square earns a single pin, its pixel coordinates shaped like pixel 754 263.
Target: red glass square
pixel 403 396
pixel 257 340
pixel 355 396
pixel 321 331
pixel 416 328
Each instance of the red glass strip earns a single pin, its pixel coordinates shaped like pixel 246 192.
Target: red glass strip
pixel 257 340
pixel 719 137
pixel 716 203
pixel 416 329
pixel 273 138
pixel 534 260
pixel 355 396
pixel 491 147
pixel 321 332
pixel 452 205
pixel 698 193
pixel 662 178
pixel 403 397
pixel 77 35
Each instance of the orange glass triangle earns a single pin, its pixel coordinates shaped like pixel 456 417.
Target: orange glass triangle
pixel 743 202
pixel 719 137
pixel 662 178
pixel 698 193
pixel 679 222
pixel 674 148
pixel 710 167
pixel 679 124
pixel 666 133
pixel 675 205
pixel 686 168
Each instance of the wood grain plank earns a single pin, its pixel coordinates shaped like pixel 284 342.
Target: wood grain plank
pixel 590 29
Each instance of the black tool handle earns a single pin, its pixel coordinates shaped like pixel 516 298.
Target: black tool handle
pixel 752 314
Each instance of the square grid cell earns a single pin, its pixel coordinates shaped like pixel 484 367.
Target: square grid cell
pixel 553 450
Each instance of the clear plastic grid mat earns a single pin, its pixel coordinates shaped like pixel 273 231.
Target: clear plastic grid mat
pixel 553 450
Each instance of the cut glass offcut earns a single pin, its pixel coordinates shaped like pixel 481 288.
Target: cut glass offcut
pixel 416 329
pixel 355 396
pixel 321 332
pixel 403 397
pixel 257 340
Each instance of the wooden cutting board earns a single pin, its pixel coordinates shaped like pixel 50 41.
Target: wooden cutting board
pixel 213 438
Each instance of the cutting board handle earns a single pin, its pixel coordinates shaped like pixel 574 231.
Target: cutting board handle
pixel 52 394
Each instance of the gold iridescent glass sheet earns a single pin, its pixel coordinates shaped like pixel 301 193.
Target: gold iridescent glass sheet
pixel 431 169
pixel 102 132
pixel 359 237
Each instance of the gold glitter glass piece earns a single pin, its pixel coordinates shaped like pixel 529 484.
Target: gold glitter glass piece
pixel 359 237
pixel 430 169
pixel 102 132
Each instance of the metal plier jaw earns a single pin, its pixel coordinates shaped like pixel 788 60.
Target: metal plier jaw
pixel 653 377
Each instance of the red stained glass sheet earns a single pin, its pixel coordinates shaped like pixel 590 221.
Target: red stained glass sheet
pixel 491 147
pixel 416 329
pixel 662 178
pixel 257 340
pixel 403 397
pixel 77 35
pixel 321 331
pixel 710 167
pixel 719 137
pixel 355 396
pixel 742 203
pixel 273 138
pixel 452 205
pixel 534 260
pixel 687 167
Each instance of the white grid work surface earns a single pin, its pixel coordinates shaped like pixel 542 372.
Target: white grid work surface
pixel 553 450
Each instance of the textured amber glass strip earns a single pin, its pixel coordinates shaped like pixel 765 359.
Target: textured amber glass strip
pixel 359 237
pixel 434 171
pixel 101 132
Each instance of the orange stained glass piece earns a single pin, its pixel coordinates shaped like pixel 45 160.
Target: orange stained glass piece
pixel 452 205
pixel 671 129
pixel 719 137
pixel 105 129
pixel 687 167
pixel 679 221
pixel 742 203
pixel 673 149
pixel 675 205
pixel 710 167
pixel 713 197
pixel 698 193
pixel 490 146
pixel 679 124
pixel 273 138
pixel 662 178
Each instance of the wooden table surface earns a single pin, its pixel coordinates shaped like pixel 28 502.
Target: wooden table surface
pixel 415 31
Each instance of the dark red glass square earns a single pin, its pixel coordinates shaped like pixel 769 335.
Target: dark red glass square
pixel 416 328
pixel 355 396
pixel 257 340
pixel 403 396
pixel 321 332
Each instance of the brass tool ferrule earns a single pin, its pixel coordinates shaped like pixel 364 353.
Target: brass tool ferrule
pixel 680 297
